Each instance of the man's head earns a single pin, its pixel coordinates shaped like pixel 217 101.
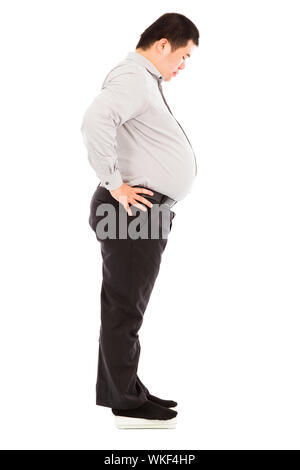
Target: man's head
pixel 168 42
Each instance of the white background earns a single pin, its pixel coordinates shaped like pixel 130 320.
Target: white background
pixel 221 332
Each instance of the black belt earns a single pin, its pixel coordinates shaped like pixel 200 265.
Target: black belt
pixel 158 197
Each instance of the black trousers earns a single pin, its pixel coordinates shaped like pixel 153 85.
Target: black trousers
pixel 129 269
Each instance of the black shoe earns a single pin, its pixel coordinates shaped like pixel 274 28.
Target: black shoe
pixel 148 415
pixel 161 402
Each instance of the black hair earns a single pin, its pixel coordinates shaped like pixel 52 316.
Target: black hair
pixel 177 28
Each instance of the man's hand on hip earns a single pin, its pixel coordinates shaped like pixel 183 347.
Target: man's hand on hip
pixel 126 195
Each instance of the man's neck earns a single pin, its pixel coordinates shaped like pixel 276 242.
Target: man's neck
pixel 147 56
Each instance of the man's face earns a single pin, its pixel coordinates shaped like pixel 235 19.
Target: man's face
pixel 173 62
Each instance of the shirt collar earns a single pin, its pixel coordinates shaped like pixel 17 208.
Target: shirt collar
pixel 140 59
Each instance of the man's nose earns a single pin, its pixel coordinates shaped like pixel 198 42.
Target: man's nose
pixel 181 66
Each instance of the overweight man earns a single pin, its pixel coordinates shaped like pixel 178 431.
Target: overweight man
pixel 146 164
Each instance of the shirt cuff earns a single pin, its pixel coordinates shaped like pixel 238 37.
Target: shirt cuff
pixel 111 181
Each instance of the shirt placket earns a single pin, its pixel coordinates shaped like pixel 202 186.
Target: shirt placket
pixel 160 89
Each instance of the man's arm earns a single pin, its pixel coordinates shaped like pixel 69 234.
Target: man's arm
pixel 122 98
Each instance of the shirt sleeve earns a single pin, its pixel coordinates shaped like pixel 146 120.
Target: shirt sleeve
pixel 122 98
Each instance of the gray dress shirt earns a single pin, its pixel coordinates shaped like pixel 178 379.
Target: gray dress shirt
pixel 132 136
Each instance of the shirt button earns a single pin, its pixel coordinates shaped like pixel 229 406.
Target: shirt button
pixel 106 182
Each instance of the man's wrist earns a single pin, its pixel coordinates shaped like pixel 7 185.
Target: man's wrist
pixel 111 181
